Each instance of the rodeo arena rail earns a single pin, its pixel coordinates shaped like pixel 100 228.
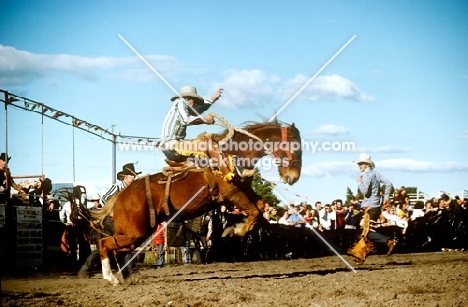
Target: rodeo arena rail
pixel 33 236
pixel 50 226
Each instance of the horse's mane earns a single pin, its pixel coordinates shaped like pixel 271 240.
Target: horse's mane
pixel 249 126
pixel 100 215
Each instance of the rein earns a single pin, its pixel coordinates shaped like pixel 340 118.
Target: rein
pixel 284 139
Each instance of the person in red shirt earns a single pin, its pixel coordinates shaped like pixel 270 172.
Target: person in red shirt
pixel 159 243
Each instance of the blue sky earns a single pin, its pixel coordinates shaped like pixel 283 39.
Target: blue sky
pixel 398 90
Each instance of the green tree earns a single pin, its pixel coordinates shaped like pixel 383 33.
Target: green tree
pixel 264 189
pixel 411 190
pixel 349 196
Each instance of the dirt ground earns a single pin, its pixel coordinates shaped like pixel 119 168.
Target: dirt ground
pixel 421 279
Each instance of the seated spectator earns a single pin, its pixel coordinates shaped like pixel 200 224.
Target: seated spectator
pixel 409 207
pixel 390 216
pixel 402 221
pixel 308 217
pixel 396 200
pixel 266 211
pixel 357 202
pixel 428 207
pixel 403 207
pixel 418 210
pixel 442 204
pixel 352 216
pixel 303 209
pixel 295 219
pixel 325 218
pixel 319 207
pixel 284 218
pixel 340 214
pixel 315 223
pixel 273 215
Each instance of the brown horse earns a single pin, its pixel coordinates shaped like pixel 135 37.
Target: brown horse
pixel 198 191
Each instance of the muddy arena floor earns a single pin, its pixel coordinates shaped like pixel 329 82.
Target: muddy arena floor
pixel 420 279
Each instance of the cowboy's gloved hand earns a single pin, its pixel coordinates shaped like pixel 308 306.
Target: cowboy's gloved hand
pixel 217 95
pixel 209 119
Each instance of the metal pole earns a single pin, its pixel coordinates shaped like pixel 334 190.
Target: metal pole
pixel 113 155
pixel 73 155
pixel 6 125
pixel 42 143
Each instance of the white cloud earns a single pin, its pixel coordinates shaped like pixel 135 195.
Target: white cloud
pixel 383 149
pixel 245 87
pixel 330 130
pixel 412 165
pixel 328 169
pixel 19 67
pixel 328 87
pixel 340 168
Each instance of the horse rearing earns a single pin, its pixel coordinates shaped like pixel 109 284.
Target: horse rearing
pixel 197 191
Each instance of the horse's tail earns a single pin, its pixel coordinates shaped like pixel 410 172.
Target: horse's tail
pixel 100 215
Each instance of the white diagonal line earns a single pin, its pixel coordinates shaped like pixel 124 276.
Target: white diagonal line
pixel 312 79
pixel 322 238
pixel 334 250
pixel 158 74
pixel 155 234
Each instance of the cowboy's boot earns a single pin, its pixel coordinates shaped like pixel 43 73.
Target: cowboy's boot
pixel 219 161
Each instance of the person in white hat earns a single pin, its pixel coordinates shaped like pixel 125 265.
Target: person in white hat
pixel 95 198
pixel 369 185
pixel 185 111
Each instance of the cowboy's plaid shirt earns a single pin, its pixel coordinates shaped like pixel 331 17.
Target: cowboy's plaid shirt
pixel 370 188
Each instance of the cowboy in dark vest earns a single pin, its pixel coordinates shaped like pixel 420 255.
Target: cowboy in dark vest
pixel 126 177
pixel 6 181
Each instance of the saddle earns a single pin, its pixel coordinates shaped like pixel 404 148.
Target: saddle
pixel 176 171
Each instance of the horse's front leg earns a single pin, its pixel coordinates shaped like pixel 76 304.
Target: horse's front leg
pixel 241 229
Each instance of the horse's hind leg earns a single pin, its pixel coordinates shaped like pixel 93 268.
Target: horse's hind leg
pixel 112 244
pixel 106 267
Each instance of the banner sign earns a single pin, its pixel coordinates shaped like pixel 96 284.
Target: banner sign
pixel 28 236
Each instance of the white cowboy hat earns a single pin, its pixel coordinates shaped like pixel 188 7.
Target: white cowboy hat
pixel 189 91
pixel 365 158
pixel 95 196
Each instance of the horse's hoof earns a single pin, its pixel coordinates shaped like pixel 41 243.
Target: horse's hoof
pixel 228 232
pixel 113 282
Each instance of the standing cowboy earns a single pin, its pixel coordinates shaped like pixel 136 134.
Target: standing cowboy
pixel 126 177
pixel 6 181
pixel 369 185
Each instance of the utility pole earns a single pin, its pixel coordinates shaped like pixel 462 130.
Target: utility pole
pixel 114 142
pixel 7 101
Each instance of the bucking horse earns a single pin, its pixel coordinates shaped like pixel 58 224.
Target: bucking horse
pixel 183 193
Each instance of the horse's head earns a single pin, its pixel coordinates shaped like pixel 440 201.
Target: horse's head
pixel 288 154
pixel 259 139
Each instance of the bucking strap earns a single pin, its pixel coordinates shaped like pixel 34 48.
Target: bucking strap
pixel 149 200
